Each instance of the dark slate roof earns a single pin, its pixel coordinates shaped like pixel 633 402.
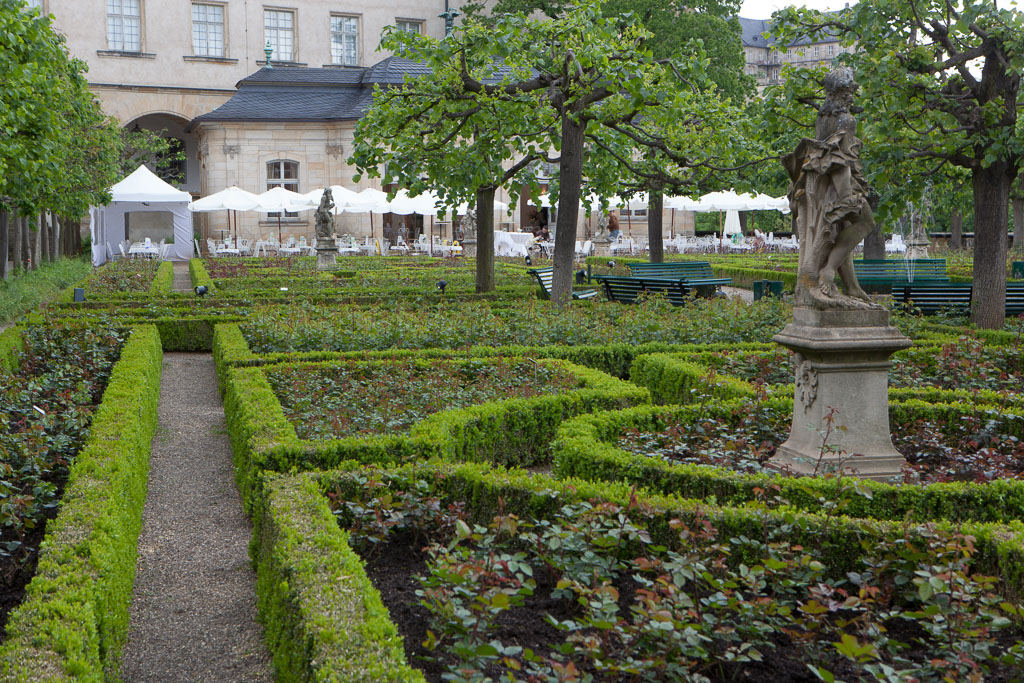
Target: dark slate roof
pixel 287 93
pixel 751 30
pixel 293 75
pixel 392 71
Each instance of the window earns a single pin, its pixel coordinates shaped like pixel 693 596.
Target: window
pixel 37 4
pixel 124 25
pixel 831 50
pixel 409 25
pixel 283 174
pixel 345 40
pixel 279 32
pixel 816 48
pixel 207 30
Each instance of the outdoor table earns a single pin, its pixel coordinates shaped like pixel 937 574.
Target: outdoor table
pixel 140 249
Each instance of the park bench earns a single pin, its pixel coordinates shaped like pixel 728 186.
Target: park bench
pixel 544 276
pixel 696 273
pixel 955 297
pixel 879 275
pixel 933 297
pixel 688 270
pixel 626 289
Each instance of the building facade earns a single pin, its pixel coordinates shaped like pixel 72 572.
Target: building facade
pixel 765 57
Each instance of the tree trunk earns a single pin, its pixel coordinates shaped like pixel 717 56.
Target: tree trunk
pixel 655 227
pixel 484 239
pixel 991 209
pixel 58 246
pixel 1018 222
pixel 35 254
pixel 570 169
pixel 44 239
pixel 16 247
pixel 956 229
pixel 874 242
pixel 4 243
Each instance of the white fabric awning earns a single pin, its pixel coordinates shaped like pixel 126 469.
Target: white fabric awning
pixel 142 185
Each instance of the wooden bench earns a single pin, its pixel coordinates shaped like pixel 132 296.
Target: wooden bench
pixel 689 270
pixel 955 297
pixel 696 273
pixel 626 289
pixel 879 275
pixel 544 276
pixel 932 298
pixel 1014 299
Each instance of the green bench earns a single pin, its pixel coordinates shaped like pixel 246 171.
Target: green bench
pixel 931 297
pixel 689 270
pixel 696 273
pixel 626 289
pixel 544 276
pixel 879 275
pixel 955 297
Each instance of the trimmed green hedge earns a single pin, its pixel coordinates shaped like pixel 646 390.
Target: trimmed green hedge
pixel 11 342
pixel 585 447
pixel 164 279
pixel 230 349
pixel 514 431
pixel 326 618
pixel 323 619
pixel 73 621
pixel 197 271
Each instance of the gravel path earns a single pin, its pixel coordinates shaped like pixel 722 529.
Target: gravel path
pixel 193 610
pixel 182 279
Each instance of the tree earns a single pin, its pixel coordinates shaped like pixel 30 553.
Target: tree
pixel 940 85
pixel 572 76
pixel 58 151
pixel 430 133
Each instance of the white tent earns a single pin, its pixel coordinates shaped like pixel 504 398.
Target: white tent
pixel 141 191
pixel 729 201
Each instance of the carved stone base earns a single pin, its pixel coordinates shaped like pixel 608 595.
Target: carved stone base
pixel 843 364
pixel 469 247
pixel 326 258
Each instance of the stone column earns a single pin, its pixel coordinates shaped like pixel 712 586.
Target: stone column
pixel 326 256
pixel 842 363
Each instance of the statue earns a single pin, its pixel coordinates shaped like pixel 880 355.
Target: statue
pixel 828 195
pixel 325 217
pixel 468 224
pixel 326 249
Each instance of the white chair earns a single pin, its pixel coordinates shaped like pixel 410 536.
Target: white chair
pixel 124 254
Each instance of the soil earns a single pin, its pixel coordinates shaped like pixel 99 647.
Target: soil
pixel 394 566
pixel 15 575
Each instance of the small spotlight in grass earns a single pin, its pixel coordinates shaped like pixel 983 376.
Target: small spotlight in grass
pixel 441 284
pixel 201 290
pixel 529 261
pixel 611 264
pixel 581 277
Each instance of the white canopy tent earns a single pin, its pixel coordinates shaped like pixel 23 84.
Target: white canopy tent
pixel 142 191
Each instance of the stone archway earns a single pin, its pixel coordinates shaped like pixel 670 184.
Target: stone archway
pixel 172 126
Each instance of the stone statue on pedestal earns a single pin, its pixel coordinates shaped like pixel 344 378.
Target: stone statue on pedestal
pixel 841 342
pixel 828 195
pixel 326 249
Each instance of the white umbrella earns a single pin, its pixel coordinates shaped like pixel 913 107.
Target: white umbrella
pixel 343 197
pixel 277 200
pixel 732 222
pixel 229 199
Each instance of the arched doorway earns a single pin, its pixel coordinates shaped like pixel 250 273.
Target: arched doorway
pixel 181 171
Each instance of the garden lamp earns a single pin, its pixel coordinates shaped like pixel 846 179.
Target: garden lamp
pixel 441 284
pixel 201 290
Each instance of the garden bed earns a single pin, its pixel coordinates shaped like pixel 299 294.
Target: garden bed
pixel 47 401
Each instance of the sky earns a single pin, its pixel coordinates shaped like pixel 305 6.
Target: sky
pixel 762 9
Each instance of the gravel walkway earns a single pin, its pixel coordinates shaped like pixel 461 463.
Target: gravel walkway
pixel 182 279
pixel 193 610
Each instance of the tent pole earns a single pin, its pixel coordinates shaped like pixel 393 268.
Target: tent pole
pixel 672 226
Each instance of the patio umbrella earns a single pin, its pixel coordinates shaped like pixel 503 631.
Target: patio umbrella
pixel 278 200
pixel 229 199
pixel 343 197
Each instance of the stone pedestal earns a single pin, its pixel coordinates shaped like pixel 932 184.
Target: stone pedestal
pixel 602 246
pixel 469 248
pixel 326 258
pixel 842 363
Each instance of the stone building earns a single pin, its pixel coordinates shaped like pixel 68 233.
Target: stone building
pixel 765 58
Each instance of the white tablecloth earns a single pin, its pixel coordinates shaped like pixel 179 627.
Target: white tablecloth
pixel 140 249
pixel 512 243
